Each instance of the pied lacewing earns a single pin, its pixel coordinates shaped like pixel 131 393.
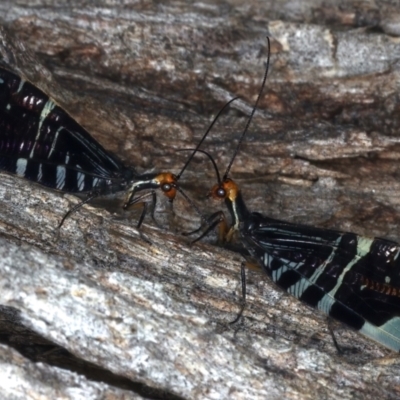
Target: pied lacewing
pixel 352 278
pixel 39 141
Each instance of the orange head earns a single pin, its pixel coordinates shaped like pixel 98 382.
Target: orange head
pixel 168 184
pixel 227 189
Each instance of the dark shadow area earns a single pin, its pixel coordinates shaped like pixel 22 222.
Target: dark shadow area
pixel 38 349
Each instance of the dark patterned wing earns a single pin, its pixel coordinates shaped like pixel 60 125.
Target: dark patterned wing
pixel 41 142
pixel 352 278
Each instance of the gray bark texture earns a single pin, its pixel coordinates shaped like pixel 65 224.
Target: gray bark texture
pixel 101 311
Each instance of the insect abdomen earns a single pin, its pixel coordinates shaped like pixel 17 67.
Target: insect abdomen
pixel 41 142
pixel 351 278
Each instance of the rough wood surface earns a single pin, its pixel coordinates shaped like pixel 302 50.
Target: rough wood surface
pixel 152 318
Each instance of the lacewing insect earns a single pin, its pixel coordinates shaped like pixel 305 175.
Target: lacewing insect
pixel 39 141
pixel 353 279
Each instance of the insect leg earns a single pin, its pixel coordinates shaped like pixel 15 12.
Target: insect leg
pixel 138 202
pixel 211 222
pixel 243 300
pixel 90 197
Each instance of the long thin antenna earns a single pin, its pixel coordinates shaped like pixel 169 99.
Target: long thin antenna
pixel 205 135
pixel 211 159
pixel 252 112
pixel 213 163
pixel 192 203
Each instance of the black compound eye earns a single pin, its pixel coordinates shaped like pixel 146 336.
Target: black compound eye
pixel 221 192
pixel 166 187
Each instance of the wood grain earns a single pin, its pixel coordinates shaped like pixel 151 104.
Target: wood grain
pixel 152 318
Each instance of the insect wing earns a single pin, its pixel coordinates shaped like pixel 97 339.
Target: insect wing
pixel 41 142
pixel 351 278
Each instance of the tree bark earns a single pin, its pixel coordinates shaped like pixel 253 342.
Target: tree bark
pixel 146 314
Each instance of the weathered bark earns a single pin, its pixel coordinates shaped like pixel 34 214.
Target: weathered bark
pixel 152 318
